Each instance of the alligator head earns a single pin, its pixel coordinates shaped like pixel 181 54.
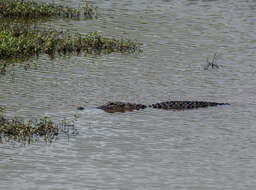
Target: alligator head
pixel 113 107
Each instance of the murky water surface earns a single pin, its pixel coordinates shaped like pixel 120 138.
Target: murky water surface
pixel 212 148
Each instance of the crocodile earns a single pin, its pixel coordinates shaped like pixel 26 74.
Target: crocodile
pixel 112 107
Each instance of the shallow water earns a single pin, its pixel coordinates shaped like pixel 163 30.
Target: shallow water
pixel 212 148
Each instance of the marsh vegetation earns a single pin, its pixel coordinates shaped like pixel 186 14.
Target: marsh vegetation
pixel 17 41
pixel 19 130
pixel 32 9
pixel 21 41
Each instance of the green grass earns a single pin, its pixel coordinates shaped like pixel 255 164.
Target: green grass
pixel 19 41
pixel 31 9
pixel 18 130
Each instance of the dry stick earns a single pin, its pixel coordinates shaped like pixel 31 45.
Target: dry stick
pixel 212 63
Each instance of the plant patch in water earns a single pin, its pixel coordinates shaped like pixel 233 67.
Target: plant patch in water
pixel 19 41
pixel 31 9
pixel 30 131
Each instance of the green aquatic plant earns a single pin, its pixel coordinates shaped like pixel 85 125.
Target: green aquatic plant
pixel 19 130
pixel 32 9
pixel 19 41
pixel 89 11
pixel 1 110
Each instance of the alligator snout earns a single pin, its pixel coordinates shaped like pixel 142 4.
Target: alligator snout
pixel 80 108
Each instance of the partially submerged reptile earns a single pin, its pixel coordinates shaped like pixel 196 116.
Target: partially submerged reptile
pixel 113 107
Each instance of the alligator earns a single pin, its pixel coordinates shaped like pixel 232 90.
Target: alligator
pixel 113 107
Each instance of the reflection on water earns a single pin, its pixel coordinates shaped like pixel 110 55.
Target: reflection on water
pixel 209 148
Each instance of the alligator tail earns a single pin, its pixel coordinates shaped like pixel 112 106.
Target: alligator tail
pixel 182 105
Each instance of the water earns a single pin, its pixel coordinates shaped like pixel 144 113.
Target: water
pixel 212 148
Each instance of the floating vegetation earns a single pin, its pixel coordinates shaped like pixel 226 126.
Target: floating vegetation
pixel 30 131
pixel 19 41
pixel 31 9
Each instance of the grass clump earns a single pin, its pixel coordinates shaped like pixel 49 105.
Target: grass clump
pixel 89 11
pixel 29 131
pixel 19 41
pixel 31 9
